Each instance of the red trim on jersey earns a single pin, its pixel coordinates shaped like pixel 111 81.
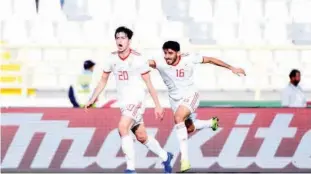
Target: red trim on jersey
pixel 194 100
pixel 107 72
pixel 135 53
pixel 131 52
pixel 136 109
pixel 124 58
pixel 145 72
pixel 178 60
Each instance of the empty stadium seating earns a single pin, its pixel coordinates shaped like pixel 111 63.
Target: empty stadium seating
pixel 280 28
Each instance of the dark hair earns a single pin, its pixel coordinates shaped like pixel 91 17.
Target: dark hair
pixel 88 64
pixel 129 33
pixel 293 73
pixel 171 45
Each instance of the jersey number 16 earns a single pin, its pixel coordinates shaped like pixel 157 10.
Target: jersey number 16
pixel 180 73
pixel 123 75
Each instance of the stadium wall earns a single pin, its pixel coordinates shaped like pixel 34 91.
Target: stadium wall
pixel 70 140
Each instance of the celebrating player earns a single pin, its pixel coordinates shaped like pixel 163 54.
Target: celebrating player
pixel 177 74
pixel 129 68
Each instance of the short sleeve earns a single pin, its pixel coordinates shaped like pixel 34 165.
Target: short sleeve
pixel 197 58
pixel 106 66
pixel 143 66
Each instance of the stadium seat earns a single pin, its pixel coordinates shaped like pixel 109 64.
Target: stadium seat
pixel 250 33
pixel 227 81
pixel 306 56
pixel 44 76
pixel 150 10
pixel 69 32
pixel 286 61
pixel 54 57
pixel 76 10
pixel 147 32
pixel 42 32
pixel 305 82
pixel 124 10
pixel 276 34
pixel 200 33
pixel 279 81
pixel 51 10
pixel 300 33
pixel 95 32
pixel 226 11
pixel 262 60
pixel 102 14
pixel 6 10
pixel 201 10
pixel 25 9
pixel 205 77
pixel 80 55
pixel 30 56
pixel 251 11
pixel 225 33
pixel 277 10
pixel 300 11
pixel 15 31
pixel 176 10
pixel 172 31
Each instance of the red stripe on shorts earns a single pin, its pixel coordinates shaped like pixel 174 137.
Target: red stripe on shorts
pixel 194 100
pixel 136 109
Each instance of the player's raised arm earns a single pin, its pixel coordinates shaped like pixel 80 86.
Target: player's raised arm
pixel 212 60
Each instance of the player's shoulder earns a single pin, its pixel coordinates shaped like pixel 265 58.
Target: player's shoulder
pixel 135 53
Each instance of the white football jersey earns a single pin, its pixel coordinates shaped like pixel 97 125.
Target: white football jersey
pixel 179 79
pixel 127 73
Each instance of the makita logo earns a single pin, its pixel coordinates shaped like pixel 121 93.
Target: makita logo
pixel 234 147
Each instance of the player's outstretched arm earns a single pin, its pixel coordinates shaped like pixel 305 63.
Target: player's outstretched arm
pixel 158 109
pixel 99 88
pixel 237 71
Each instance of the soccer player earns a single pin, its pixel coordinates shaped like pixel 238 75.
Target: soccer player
pixel 130 70
pixel 176 71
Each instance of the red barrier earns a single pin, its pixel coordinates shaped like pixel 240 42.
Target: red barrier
pixel 70 140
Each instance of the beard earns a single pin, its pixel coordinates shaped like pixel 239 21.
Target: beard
pixel 295 82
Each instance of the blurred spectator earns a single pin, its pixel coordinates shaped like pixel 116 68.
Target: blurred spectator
pixel 80 92
pixel 293 95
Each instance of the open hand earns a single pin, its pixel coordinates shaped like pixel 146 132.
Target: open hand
pixel 238 71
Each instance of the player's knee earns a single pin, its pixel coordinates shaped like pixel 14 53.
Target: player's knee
pixel 190 126
pixel 141 136
pixel 179 119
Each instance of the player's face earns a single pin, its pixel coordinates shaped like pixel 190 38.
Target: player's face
pixel 122 41
pixel 296 79
pixel 170 56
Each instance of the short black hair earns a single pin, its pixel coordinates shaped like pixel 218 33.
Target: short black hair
pixel 129 33
pixel 88 64
pixel 171 45
pixel 293 73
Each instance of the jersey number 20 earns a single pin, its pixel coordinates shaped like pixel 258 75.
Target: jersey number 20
pixel 180 73
pixel 123 75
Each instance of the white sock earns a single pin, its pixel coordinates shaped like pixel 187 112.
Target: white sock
pixel 182 136
pixel 128 150
pixel 153 145
pixel 201 124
